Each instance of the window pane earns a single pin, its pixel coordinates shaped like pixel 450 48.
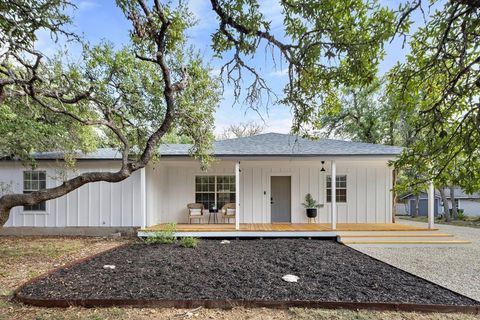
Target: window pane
pixel 42 175
pixel 341 195
pixel 224 198
pixel 27 185
pixel 34 185
pixel 329 195
pixel 43 184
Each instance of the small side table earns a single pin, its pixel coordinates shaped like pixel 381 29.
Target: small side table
pixel 312 220
pixel 214 213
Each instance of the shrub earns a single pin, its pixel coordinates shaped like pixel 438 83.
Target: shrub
pixel 461 215
pixel 165 236
pixel 189 242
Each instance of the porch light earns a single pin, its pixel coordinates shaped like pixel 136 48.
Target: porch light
pixel 323 169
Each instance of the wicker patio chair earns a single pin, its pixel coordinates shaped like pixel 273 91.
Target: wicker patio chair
pixel 193 212
pixel 226 214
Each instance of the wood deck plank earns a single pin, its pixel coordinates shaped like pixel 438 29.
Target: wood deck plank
pixel 288 227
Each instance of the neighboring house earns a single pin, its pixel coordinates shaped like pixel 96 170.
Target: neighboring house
pixel 267 176
pixel 406 204
pixel 469 203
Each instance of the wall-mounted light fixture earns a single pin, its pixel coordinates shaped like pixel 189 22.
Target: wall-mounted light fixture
pixel 323 169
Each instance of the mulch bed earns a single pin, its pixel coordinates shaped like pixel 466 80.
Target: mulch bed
pixel 241 270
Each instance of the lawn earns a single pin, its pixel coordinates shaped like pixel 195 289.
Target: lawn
pixel 473 222
pixel 24 257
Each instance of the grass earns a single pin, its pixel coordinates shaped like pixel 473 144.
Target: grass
pixel 472 222
pixel 189 242
pixel 24 257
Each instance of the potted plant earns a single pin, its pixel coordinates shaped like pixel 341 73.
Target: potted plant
pixel 311 205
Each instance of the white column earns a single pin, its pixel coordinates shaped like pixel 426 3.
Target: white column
pixel 431 205
pixel 143 197
pixel 334 195
pixel 237 195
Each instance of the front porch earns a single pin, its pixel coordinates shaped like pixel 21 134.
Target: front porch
pixel 279 229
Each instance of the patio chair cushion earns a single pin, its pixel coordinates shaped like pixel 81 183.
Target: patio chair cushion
pixel 230 212
pixel 195 212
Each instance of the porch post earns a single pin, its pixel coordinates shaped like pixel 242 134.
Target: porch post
pixel 431 206
pixel 143 197
pixel 237 195
pixel 334 195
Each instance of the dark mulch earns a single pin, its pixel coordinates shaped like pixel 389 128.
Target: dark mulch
pixel 243 269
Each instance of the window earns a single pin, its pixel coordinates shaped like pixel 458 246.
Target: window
pixel 34 181
pixel 214 191
pixel 341 188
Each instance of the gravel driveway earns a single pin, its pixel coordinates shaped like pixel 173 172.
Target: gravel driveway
pixel 456 268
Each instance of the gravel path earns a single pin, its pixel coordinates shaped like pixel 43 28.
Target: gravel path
pixel 243 269
pixel 456 268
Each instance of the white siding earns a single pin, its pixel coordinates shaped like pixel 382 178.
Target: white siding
pixel 368 189
pixel 98 204
pixel 170 186
pixel 471 207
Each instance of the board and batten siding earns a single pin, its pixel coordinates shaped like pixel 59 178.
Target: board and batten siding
pixel 369 185
pixel 99 204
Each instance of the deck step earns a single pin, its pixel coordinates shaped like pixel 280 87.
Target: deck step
pixel 395 235
pixel 404 239
pixel 405 242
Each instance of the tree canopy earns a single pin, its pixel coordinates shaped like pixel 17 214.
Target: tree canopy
pixel 132 98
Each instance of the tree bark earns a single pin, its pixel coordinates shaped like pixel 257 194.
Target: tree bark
pixel 417 202
pixel 454 205
pixel 446 207
pixel 394 195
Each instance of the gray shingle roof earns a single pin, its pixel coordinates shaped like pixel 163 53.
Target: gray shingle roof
pixel 268 144
pixel 277 144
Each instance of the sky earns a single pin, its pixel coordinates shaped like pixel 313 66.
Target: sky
pixel 101 20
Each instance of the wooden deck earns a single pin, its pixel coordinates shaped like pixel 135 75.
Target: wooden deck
pixel 287 227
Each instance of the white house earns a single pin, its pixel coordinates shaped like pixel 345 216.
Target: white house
pixel 266 177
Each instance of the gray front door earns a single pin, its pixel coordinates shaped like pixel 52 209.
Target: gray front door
pixel 280 193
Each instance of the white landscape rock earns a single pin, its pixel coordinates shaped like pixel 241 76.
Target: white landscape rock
pixel 290 278
pixel 225 242
pixel 109 267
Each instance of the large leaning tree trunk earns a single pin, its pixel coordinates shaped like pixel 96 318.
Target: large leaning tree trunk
pixel 454 203
pixel 24 80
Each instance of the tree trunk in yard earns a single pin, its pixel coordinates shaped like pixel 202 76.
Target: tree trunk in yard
pixel 394 196
pixel 454 205
pixel 446 207
pixel 417 202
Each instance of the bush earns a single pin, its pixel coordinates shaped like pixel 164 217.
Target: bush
pixel 461 215
pixel 165 236
pixel 189 242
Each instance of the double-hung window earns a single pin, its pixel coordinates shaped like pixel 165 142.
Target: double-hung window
pixel 214 191
pixel 34 181
pixel 341 188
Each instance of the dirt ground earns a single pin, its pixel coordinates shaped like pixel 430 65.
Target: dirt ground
pixel 22 258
